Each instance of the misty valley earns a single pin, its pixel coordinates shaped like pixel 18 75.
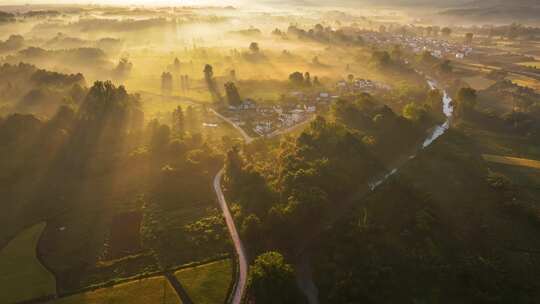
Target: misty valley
pixel 276 152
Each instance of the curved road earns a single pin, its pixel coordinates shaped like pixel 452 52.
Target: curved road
pixel 247 138
pixel 307 283
pixel 241 283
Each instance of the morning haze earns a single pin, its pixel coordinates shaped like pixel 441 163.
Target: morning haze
pixel 278 152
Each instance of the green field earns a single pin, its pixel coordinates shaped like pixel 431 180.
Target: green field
pixel 525 81
pixel 513 161
pixel 478 82
pixel 145 291
pixel 530 64
pixel 207 284
pixel 22 277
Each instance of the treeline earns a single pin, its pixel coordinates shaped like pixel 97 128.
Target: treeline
pixel 27 89
pixel 322 34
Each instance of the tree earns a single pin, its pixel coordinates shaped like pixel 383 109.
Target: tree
pixel 251 230
pixel 307 79
pixel 350 77
pixel 271 281
pixel 414 112
pixel 166 83
pixel 160 138
pixel 445 67
pixel 254 48
pixel 396 53
pixel 176 65
pixel 469 38
pixel 446 31
pixel 466 101
pixel 208 72
pixel 316 81
pixel 178 122
pixel 122 70
pixel 192 119
pixel 233 97
pixel 381 58
pixel 107 112
pixel 296 78
pixel 233 166
pixel 211 83
pixel 434 101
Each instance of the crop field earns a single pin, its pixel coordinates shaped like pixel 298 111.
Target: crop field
pixel 513 161
pixel 478 82
pixel 151 290
pixel 21 273
pixel 531 64
pixel 207 284
pixel 526 81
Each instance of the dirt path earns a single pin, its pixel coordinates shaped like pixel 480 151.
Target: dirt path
pixel 241 282
pixel 248 139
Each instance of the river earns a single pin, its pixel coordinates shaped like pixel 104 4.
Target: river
pixel 436 132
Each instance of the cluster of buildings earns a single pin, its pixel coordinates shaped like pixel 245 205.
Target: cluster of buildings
pixel 265 119
pixel 361 85
pixel 418 44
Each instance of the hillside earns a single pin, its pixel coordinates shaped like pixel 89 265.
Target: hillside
pixel 497 11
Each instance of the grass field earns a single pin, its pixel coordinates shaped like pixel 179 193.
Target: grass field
pixel 152 290
pixel 207 284
pixel 525 81
pixel 530 64
pixel 478 82
pixel 513 161
pixel 22 277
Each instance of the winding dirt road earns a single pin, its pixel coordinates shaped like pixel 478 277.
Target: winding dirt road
pixel 241 283
pixel 248 139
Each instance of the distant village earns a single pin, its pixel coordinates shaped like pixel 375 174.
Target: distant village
pixel 418 44
pixel 266 119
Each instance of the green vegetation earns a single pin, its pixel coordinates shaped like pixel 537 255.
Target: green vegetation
pixel 271 280
pixel 22 276
pixel 207 283
pixel 513 161
pixel 111 164
pixel 150 290
pixel 429 227
pixel 335 179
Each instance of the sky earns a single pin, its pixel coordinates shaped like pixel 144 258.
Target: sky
pixel 124 2
pixel 354 3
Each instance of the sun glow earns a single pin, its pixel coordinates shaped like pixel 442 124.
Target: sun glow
pixel 127 2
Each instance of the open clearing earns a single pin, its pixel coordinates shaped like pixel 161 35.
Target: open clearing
pixel 514 161
pixel 479 82
pixel 207 284
pixel 525 81
pixel 530 64
pixel 22 277
pixel 151 290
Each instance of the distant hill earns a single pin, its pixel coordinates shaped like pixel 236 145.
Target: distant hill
pixel 360 3
pixel 497 11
